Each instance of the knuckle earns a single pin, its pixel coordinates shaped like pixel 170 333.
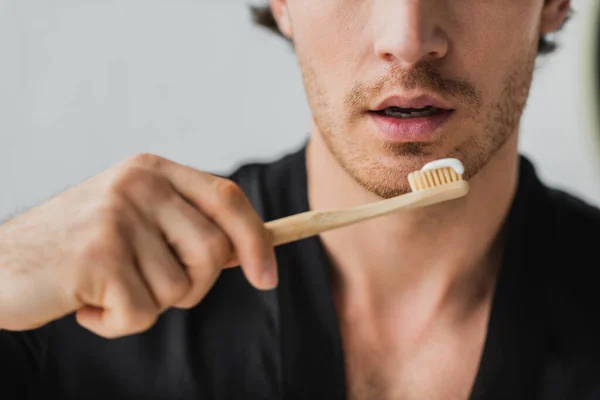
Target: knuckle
pixel 130 176
pixel 201 288
pixel 104 243
pixel 215 249
pixel 229 192
pixel 147 160
pixel 105 251
pixel 140 183
pixel 202 280
pixel 173 289
pixel 112 215
pixel 216 241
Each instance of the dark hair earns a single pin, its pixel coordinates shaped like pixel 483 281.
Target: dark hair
pixel 263 16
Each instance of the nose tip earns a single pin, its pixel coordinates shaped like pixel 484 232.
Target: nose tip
pixel 409 35
pixel 411 48
pixel 410 51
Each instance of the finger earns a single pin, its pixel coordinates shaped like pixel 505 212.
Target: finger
pixel 196 241
pixel 200 245
pixel 162 271
pixel 225 203
pixel 128 307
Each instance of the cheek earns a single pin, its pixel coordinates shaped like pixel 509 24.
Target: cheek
pixel 488 38
pixel 328 24
pixel 328 36
pixel 498 23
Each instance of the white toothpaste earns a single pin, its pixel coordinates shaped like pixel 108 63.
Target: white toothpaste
pixel 453 163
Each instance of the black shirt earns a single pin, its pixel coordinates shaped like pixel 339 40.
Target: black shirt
pixel 543 337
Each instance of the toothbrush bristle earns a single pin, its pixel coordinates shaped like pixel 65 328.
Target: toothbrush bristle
pixel 422 180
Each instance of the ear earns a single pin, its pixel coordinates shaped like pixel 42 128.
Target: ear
pixel 554 15
pixel 279 8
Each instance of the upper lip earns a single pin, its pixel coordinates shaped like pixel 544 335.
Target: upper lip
pixel 419 101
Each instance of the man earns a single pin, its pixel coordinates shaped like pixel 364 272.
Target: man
pixel 121 287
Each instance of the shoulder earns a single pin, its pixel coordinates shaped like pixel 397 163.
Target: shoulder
pixel 275 188
pixel 562 243
pixel 571 243
pixel 271 171
pixel 576 216
pixel 558 217
pixel 573 226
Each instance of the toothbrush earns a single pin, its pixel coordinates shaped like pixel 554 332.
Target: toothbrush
pixel 436 182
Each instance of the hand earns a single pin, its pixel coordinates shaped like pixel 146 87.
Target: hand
pixel 121 248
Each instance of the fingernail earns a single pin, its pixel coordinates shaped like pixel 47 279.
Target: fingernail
pixel 269 275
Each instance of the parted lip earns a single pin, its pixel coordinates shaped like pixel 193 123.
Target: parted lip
pixel 415 101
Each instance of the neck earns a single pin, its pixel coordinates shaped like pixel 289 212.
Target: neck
pixel 443 254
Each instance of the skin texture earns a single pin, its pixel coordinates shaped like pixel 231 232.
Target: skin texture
pixel 144 236
pixel 413 292
pixel 477 55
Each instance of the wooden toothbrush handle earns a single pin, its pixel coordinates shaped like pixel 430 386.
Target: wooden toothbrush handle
pixel 303 225
pixel 311 223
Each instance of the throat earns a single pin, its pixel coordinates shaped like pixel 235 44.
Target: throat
pixel 391 354
pixel 410 290
pixel 446 357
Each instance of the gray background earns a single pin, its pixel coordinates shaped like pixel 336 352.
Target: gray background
pixel 84 84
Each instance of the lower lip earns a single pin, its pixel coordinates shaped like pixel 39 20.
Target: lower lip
pixel 421 129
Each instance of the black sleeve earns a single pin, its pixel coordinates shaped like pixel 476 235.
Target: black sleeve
pixel 21 355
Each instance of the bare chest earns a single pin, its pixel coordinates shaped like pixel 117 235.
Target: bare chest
pixel 441 367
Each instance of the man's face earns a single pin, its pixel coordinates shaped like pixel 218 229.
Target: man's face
pixel 373 70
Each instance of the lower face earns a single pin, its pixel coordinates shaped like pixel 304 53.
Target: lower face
pixel 485 76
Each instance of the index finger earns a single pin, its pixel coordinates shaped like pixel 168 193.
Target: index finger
pixel 225 203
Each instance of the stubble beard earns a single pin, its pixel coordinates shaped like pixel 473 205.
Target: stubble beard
pixel 498 121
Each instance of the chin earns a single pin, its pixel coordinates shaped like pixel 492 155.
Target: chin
pixel 411 155
pixel 385 170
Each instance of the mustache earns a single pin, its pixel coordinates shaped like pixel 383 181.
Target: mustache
pixel 423 76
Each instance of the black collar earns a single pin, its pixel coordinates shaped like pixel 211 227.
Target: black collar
pixel 313 361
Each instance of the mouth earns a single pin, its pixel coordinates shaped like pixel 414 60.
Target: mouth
pixel 411 113
pixel 412 107
pixel 412 119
